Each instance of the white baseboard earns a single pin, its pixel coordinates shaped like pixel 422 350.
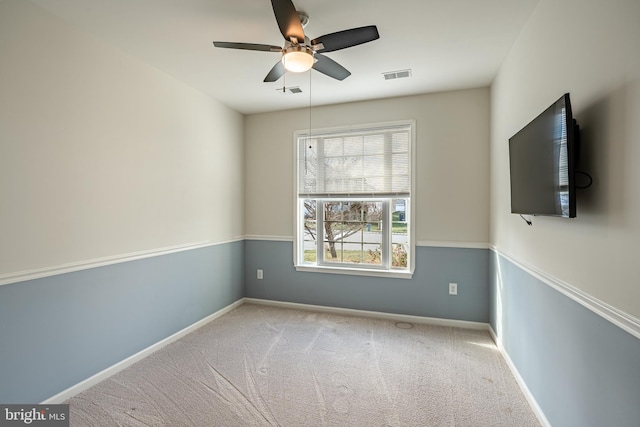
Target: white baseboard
pixel 542 419
pixel 375 314
pixel 114 369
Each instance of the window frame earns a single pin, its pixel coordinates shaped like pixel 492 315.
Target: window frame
pixel 347 268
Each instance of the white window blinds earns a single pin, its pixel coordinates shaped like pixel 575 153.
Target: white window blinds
pixel 363 162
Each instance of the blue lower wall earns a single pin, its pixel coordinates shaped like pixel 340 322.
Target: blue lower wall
pixel 582 369
pixel 57 331
pixel 426 294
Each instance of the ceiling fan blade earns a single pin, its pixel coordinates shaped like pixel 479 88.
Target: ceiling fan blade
pixel 276 72
pixel 288 20
pixel 346 38
pixel 331 68
pixel 248 46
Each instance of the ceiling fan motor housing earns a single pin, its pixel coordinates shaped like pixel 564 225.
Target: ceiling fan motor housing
pixel 297 58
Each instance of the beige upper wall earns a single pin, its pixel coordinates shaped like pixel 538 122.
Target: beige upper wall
pixel 102 155
pixel 452 162
pixel 589 49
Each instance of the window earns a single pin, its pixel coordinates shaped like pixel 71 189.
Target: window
pixel 353 200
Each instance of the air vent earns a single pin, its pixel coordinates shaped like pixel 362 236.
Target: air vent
pixel 289 90
pixel 392 75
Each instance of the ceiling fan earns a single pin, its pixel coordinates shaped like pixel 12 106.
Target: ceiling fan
pixel 299 53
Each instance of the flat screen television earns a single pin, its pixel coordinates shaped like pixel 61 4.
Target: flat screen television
pixel 542 159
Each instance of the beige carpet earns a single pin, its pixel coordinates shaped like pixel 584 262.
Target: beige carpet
pixel 263 366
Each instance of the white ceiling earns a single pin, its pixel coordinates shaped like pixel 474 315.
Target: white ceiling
pixel 448 44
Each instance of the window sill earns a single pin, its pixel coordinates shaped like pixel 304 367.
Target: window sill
pixel 395 274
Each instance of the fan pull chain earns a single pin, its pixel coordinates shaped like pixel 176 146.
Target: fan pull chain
pixel 309 109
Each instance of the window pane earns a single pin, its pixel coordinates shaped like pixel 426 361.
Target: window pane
pixel 373 211
pixel 374 183
pixel 399 235
pixel 352 211
pixel 356 185
pixel 310 231
pixel 334 185
pixel 353 146
pixel 334 229
pixel 352 232
pixel 399 218
pixel 400 183
pixel 333 253
pixel 400 142
pixel 333 147
pixel 399 256
pixel 372 235
pixel 374 144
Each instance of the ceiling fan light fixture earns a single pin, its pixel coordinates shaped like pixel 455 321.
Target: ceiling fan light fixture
pixel 297 59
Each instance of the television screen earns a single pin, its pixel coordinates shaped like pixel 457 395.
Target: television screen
pixel 541 160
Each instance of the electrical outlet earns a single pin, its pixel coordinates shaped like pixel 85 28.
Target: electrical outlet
pixel 259 274
pixel 453 289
